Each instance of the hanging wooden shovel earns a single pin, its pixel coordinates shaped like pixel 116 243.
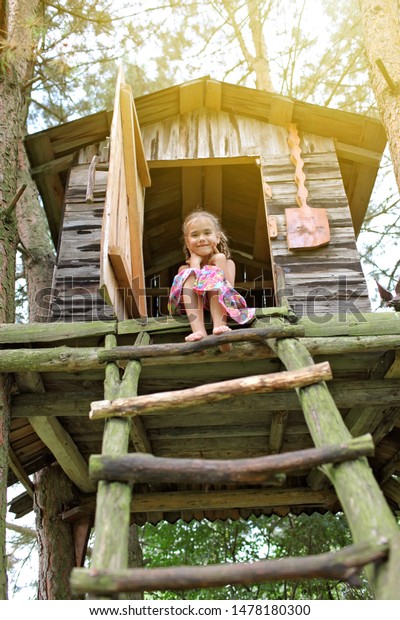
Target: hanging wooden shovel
pixel 306 227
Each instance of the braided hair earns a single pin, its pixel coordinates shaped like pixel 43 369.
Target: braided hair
pixel 194 215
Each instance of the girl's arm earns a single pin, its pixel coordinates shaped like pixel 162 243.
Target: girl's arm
pixel 227 265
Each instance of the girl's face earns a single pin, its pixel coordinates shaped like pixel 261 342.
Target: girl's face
pixel 202 237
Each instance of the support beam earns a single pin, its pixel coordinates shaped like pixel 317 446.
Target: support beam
pixel 173 501
pixel 281 110
pixel 19 472
pixel 64 450
pixel 358 154
pixel 81 529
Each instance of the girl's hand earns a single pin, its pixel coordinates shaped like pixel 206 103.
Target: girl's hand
pixel 217 259
pixel 194 261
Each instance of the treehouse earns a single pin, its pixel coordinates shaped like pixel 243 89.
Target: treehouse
pixel 311 386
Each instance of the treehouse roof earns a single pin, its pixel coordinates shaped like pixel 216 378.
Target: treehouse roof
pixel 359 140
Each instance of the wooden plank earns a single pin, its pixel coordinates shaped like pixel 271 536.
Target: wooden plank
pixel 50 186
pixel 139 437
pixel 115 230
pixel 213 95
pixel 205 161
pixel 192 189
pixel 358 154
pixel 213 189
pixel 53 166
pixel 243 498
pixel 191 96
pixel 143 168
pixel 281 110
pixel 122 273
pixel 19 472
pixel 278 424
pixel 135 198
pixel 24 333
pixel 261 248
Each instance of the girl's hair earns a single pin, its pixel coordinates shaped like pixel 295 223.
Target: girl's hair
pixel 223 242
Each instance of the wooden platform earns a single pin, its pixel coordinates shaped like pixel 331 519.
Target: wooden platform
pixel 59 375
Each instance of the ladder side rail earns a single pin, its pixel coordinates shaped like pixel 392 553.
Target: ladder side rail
pixel 367 512
pixel 112 518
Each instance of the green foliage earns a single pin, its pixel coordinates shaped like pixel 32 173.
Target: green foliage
pixel 200 543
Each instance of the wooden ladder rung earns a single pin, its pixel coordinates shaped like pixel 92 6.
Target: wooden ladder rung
pixel 344 564
pixel 152 469
pixel 211 392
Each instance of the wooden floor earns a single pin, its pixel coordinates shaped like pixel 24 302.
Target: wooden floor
pixel 363 355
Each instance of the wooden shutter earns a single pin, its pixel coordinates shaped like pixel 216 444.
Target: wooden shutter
pixel 122 281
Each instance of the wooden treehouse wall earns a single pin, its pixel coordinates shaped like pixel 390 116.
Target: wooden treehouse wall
pixel 77 274
pixel 317 281
pixel 327 279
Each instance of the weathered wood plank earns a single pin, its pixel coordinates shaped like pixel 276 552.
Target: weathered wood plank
pixel 64 449
pixel 278 424
pixel 43 332
pixel 345 393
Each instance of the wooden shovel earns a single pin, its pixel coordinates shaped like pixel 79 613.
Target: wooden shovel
pixel 306 227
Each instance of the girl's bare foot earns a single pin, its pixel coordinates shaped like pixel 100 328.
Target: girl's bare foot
pixel 194 337
pixel 221 329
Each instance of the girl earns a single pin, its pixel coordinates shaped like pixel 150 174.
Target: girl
pixel 207 279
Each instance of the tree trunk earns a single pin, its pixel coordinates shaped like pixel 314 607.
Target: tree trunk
pixel 257 60
pixel 53 490
pixel 17 51
pixel 36 246
pixel 381 26
pixel 260 64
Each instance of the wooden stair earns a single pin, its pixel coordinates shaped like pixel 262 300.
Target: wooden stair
pixel 341 457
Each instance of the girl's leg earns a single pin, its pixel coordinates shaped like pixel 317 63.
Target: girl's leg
pixel 194 309
pixel 218 316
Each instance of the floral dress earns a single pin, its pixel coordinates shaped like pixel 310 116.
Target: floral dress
pixel 210 278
